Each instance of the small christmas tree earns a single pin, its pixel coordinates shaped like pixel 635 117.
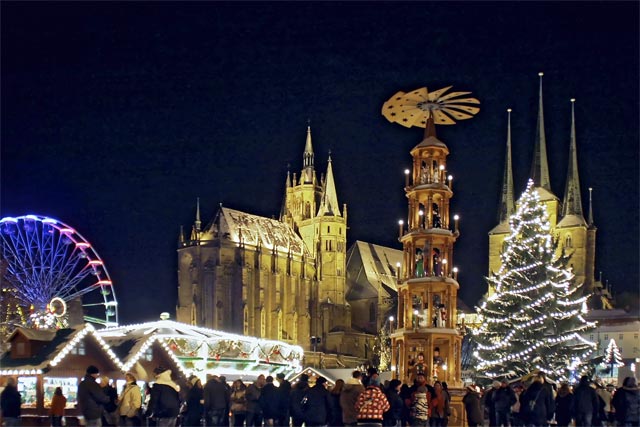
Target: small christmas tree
pixel 612 356
pixel 534 319
pixel 382 349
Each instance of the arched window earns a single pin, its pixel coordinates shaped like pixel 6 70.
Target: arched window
pixel 568 241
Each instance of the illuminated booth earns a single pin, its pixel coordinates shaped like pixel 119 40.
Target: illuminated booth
pixel 199 351
pixel 42 360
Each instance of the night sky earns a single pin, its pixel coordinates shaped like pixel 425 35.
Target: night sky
pixel 117 116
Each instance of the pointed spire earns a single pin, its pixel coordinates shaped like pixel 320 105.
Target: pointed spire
pixel 590 223
pixel 507 206
pixel 181 236
pixel 198 223
pixel 572 204
pixel 306 176
pixel 540 166
pixel 329 202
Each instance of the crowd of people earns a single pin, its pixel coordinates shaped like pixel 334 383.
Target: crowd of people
pixel 543 403
pixel 361 400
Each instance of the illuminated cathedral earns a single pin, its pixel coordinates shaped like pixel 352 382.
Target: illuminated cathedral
pixel 281 279
pixel 576 235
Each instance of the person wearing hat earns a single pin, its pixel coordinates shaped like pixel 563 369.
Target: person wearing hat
pixel 471 402
pixel 91 398
pixel 130 402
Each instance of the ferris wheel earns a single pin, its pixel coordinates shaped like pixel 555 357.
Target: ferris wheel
pixel 51 276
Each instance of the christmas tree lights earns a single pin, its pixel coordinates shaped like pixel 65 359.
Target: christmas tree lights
pixel 612 356
pixel 534 320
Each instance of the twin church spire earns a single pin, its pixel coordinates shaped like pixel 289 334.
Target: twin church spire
pixel 572 203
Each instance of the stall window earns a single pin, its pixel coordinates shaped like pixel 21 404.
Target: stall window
pixel 27 388
pixel 148 354
pixel 79 349
pixel 69 388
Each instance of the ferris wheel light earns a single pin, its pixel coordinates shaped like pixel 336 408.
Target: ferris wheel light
pixel 31 217
pixel 67 230
pixel 104 282
pixel 49 221
pixel 9 219
pixel 83 245
pixel 95 262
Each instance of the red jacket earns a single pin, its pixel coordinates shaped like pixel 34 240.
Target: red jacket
pixel 371 404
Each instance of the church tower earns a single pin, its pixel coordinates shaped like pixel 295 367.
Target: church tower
pixel 576 236
pixel 311 208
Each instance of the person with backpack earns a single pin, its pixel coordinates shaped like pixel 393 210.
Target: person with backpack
pixel 164 404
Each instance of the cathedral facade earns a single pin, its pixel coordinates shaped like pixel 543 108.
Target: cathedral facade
pixel 576 235
pixel 282 278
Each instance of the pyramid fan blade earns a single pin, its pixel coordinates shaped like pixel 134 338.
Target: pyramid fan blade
pixel 441 118
pixel 463 101
pixel 433 96
pixel 458 114
pixel 467 108
pixel 453 95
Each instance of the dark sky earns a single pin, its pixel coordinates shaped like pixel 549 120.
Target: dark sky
pixel 116 116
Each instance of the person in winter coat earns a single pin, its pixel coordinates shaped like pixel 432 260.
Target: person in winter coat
pixel 626 402
pixel 164 404
pixel 372 404
pixel 110 414
pixel 252 395
pixel 284 395
pixel 318 406
pixel 336 415
pixel 58 403
pixel 195 403
pixel 216 401
pixel 439 406
pixel 471 402
pixel 91 398
pixel 348 398
pixel 10 401
pixel 420 405
pixel 516 419
pixel 130 402
pixel 238 402
pixel 503 398
pixel 487 402
pixel 269 402
pixel 564 405
pixel 297 400
pixel 585 403
pixel 393 417
pixel 536 403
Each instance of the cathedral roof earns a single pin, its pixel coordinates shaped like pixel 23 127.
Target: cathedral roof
pixel 259 231
pixel 572 221
pixel 329 202
pixel 502 228
pixel 545 195
pixel 377 270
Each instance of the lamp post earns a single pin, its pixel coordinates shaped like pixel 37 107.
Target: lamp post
pixel 450 179
pixel 400 224
pixel 406 177
pixel 455 222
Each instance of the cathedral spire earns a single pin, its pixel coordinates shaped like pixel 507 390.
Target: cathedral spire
pixel 306 177
pixel 590 223
pixel 507 206
pixel 540 167
pixel 329 202
pixel 198 223
pixel 572 204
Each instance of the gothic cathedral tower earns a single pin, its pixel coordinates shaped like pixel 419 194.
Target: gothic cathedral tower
pixel 576 236
pixel 311 208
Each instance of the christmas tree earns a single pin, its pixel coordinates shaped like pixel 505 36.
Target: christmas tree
pixel 534 319
pixel 612 356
